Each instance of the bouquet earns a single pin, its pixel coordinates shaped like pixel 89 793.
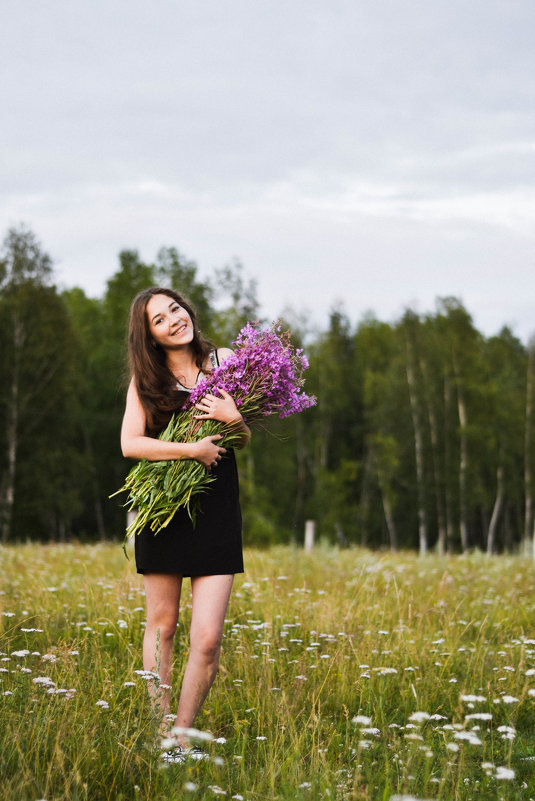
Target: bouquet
pixel 264 377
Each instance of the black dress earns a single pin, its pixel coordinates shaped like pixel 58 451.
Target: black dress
pixel 213 546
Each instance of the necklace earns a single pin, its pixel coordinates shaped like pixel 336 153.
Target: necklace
pixel 185 386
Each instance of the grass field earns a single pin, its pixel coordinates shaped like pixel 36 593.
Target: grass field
pixel 345 675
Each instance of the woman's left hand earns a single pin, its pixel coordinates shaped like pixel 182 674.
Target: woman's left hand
pixel 220 408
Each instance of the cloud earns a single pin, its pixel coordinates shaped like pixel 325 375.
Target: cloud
pixel 381 152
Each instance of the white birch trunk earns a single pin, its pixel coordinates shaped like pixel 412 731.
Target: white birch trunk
pixel 390 523
pixel 496 510
pixel 529 532
pixel 418 452
pixel 7 496
pixel 433 428
pixel 463 460
pixel 463 470
pixel 447 465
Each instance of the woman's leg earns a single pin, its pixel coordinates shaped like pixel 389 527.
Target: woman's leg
pixel 210 597
pixel 162 593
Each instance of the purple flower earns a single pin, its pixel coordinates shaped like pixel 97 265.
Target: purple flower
pixel 263 375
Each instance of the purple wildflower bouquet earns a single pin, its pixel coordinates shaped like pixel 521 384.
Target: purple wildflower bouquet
pixel 264 375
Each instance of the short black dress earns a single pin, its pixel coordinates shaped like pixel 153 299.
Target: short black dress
pixel 213 546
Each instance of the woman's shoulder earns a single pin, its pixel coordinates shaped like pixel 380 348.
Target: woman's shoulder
pixel 223 353
pixel 217 356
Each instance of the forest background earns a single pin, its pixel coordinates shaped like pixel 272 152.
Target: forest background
pixel 422 436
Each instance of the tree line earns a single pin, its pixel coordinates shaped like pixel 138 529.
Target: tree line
pixel 422 437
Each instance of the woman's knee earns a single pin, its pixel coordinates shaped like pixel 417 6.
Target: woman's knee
pixel 164 622
pixel 207 643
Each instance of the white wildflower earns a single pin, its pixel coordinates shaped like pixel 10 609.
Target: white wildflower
pixel 46 680
pixel 419 717
pixel 147 674
pixel 469 736
pixel 479 716
pixel 504 773
pixel 167 743
pixel 49 658
pixel 472 699
pixel 507 732
pixel 406 798
pixel 20 653
pixel 103 704
pixel 193 734
pixel 361 720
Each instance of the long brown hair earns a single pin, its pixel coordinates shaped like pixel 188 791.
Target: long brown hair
pixel 155 383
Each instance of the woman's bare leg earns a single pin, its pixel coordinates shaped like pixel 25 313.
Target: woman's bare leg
pixel 162 594
pixel 210 597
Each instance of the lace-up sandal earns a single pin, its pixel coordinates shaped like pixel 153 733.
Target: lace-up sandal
pixel 175 756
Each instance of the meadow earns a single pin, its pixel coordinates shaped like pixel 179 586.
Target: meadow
pixel 345 674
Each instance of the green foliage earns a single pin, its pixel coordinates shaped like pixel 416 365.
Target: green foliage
pixel 41 467
pixel 350 463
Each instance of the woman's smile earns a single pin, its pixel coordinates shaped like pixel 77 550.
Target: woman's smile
pixel 180 330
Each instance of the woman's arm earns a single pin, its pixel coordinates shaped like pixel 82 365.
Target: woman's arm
pixel 136 445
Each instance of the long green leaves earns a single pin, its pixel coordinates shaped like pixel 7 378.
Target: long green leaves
pixel 158 489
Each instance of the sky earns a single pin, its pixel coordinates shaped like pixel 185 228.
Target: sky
pixel 371 155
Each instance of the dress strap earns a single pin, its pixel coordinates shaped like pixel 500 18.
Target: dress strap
pixel 214 358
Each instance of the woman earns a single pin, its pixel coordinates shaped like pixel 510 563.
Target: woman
pixel 168 356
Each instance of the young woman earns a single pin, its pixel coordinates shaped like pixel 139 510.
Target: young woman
pixel 168 356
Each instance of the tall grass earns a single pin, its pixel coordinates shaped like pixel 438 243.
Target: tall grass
pixel 438 654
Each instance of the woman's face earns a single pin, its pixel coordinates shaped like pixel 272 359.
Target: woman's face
pixel 169 324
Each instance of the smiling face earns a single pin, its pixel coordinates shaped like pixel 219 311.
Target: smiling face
pixel 170 325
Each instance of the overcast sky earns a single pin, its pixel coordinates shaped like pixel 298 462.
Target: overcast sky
pixel 375 152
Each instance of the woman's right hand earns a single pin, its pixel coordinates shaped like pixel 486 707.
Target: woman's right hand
pixel 207 452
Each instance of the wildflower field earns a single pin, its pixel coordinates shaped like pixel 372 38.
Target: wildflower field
pixel 345 674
